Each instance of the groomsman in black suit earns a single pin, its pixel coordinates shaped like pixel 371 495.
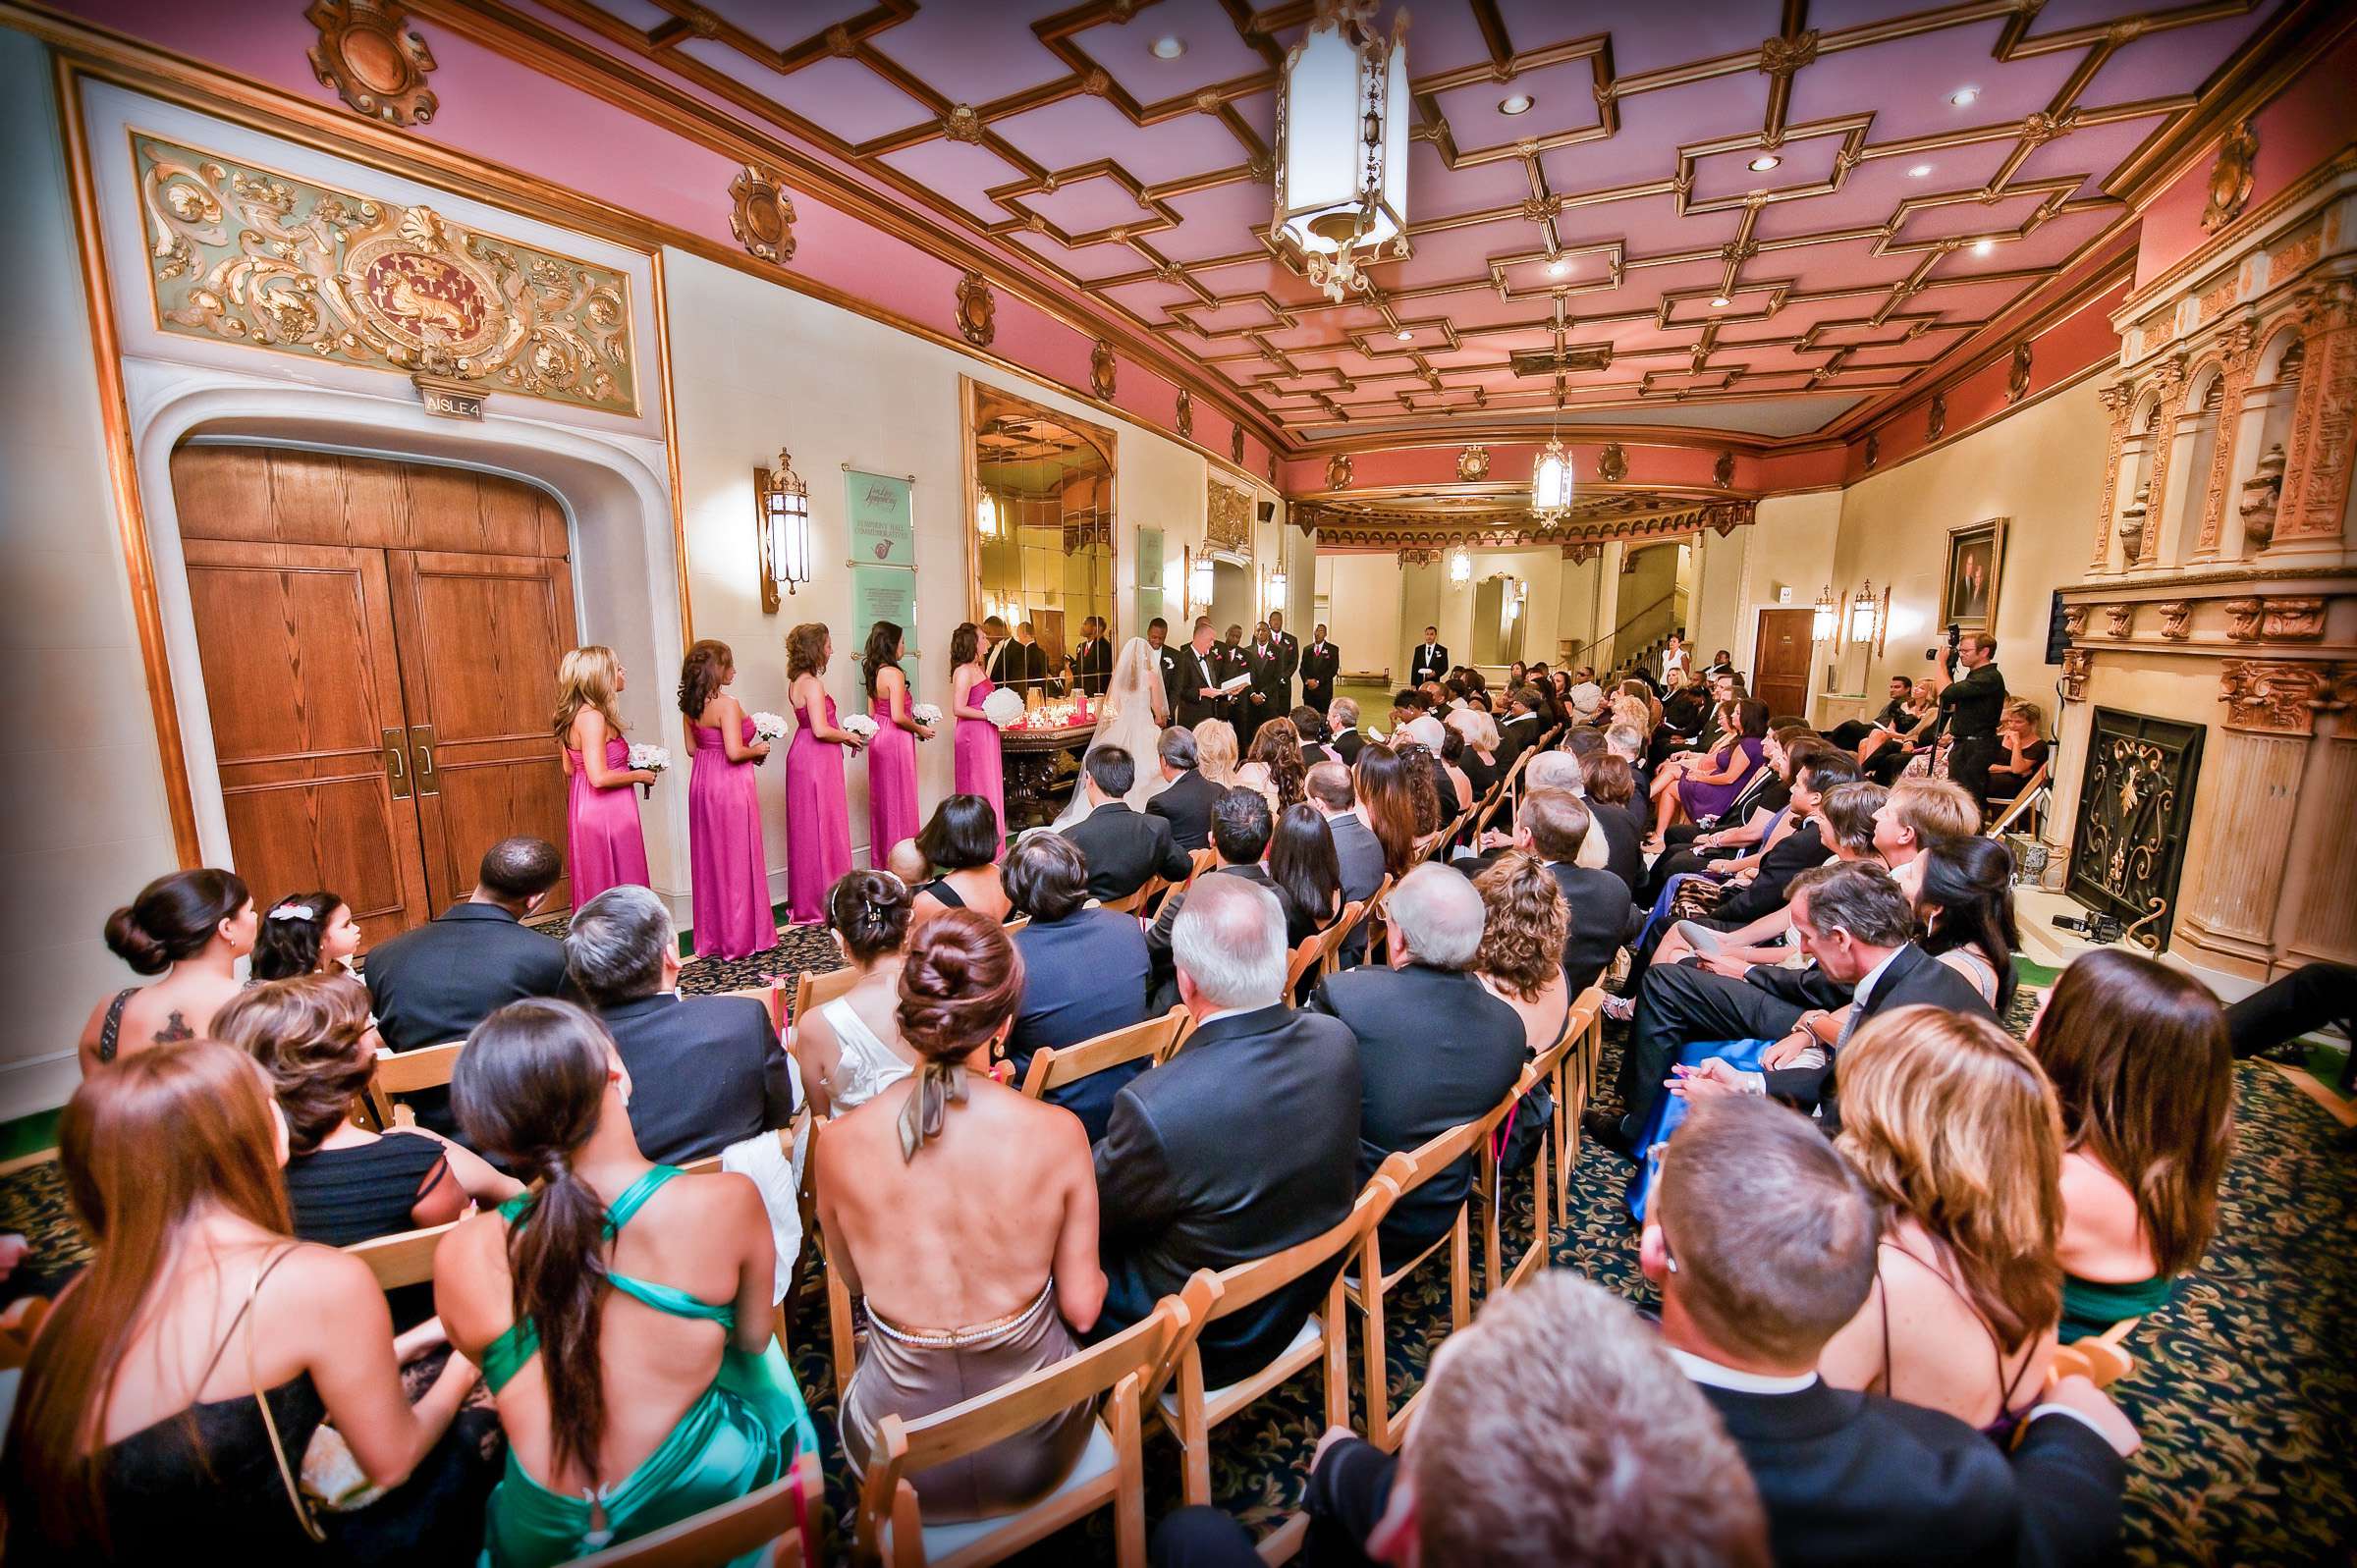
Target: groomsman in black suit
pixel 1194 693
pixel 1430 661
pixel 1092 661
pixel 1233 660
pixel 1165 659
pixel 1020 663
pixel 1265 698
pixel 1321 662
pixel 1288 653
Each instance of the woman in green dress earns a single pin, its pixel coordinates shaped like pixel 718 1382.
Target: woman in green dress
pixel 632 1364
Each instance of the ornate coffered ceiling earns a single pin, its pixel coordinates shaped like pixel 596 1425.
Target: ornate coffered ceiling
pixel 1616 241
pixel 1499 516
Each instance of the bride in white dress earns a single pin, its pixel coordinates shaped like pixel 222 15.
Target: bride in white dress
pixel 1132 713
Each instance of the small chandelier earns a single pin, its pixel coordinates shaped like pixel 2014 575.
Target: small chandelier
pixel 1341 146
pixel 986 516
pixel 1551 482
pixel 1460 565
pixel 782 524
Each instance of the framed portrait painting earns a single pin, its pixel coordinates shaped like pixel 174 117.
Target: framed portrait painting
pixel 1976 555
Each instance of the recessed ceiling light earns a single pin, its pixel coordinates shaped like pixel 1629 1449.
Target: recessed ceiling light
pixel 1169 49
pixel 1963 97
pixel 1519 103
pixel 1720 303
pixel 1403 335
pixel 1556 269
pixel 1984 247
pixel 1765 162
pixel 1919 171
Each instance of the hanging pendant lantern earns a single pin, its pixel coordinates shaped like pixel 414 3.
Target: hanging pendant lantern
pixel 1551 481
pixel 1341 146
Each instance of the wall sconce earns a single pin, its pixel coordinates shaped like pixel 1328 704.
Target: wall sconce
pixel 782 529
pixel 1829 616
pixel 986 516
pixel 1864 616
pixel 1198 585
pixel 1278 583
pixel 1460 565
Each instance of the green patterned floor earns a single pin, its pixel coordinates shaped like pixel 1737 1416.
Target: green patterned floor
pixel 2245 1387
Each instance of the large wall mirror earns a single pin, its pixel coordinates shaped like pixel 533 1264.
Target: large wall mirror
pixel 1497 604
pixel 1039 518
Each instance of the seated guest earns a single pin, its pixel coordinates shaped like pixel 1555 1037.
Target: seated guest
pixel 1240 831
pixel 1554 826
pixel 2286 1008
pixel 1357 853
pixel 1185 801
pixel 137 1432
pixel 346 1183
pixel 1762 882
pixel 1195 1172
pixel 1423 785
pixel 1850 733
pixel 1123 850
pixel 1479 759
pixel 1911 733
pixel 1342 723
pixel 907 862
pixel 594 1453
pixel 1917 814
pixel 850 1048
pixel 190 927
pixel 1420 1078
pixel 952 1166
pixel 304 934
pixel 2137 1053
pixel 1216 755
pixel 709 1070
pixel 1858 927
pixel 961 842
pixel 1611 788
pixel 1706 783
pixel 2020 734
pixel 435 984
pixel 1953 1129
pixel 1762 1242
pixel 1521 955
pixel 1550 769
pixel 1087 972
pixel 1457 795
pixel 1607 1457
pixel 1518 730
pixel 1305 872
pixel 1964 898
pixel 1844 817
pixel 1383 785
pixel 1275 767
pixel 1310 725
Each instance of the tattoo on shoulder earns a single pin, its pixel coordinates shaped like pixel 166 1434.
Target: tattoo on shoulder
pixel 175 1029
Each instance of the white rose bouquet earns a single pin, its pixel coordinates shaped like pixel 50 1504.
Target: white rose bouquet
pixel 860 725
pixel 654 759
pixel 1003 707
pixel 928 713
pixel 769 727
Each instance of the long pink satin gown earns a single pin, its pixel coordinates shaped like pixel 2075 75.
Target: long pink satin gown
pixel 977 770
pixel 603 846
pixel 818 818
pixel 729 872
pixel 891 810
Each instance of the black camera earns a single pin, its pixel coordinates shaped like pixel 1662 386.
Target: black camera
pixel 2096 928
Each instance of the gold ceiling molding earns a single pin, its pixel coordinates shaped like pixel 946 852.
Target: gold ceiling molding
pixel 762 215
pixel 244 255
pixel 1227 518
pixel 376 63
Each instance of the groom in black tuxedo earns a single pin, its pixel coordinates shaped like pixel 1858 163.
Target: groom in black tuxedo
pixel 1092 661
pixel 1166 660
pixel 1194 689
pixel 1289 658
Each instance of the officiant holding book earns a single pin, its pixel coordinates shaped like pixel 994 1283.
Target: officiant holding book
pixel 1195 689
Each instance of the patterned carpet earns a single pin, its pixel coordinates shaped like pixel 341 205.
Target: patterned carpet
pixel 2245 1387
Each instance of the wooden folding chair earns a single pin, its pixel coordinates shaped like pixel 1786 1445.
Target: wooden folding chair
pixel 1374 917
pixel 1489 1192
pixel 1053 1069
pixel 783 1517
pixel 1570 1071
pixel 1200 861
pixel 1302 961
pixel 1135 902
pixel 20 1326
pixel 1370 1281
pixel 406 1258
pixel 2020 803
pixel 1330 946
pixel 1493 800
pixel 1014 923
pixel 772 999
pixel 706 1167
pixel 1186 1027
pixel 1111 1469
pixel 815 987
pixel 407 1073
pixel 2102 1359
pixel 1180 1401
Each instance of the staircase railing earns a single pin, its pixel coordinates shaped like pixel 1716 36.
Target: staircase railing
pixel 1580 652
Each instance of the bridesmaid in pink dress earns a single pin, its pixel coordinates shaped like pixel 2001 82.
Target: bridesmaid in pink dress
pixel 819 818
pixel 729 875
pixel 603 846
pixel 892 811
pixel 977 771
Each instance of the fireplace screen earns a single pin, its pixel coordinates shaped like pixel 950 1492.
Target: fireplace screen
pixel 2135 805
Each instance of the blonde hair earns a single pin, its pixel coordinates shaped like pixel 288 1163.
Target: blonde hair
pixel 1950 1121
pixel 1479 728
pixel 585 680
pixel 2028 712
pixel 1214 751
pixel 1934 809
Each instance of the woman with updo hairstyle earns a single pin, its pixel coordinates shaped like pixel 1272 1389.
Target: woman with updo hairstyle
pixel 313 1037
pixel 304 934
pixel 625 1323
pixel 1386 799
pixel 1520 960
pixel 851 1049
pixel 966 1216
pixel 1423 785
pixel 728 867
pixel 1963 894
pixel 190 927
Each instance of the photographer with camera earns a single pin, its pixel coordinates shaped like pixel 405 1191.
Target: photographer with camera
pixel 1969 709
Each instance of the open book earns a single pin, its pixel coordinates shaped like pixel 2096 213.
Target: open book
pixel 1236 682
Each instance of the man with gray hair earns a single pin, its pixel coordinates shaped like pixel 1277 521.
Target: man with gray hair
pixel 705 1071
pixel 1242 1145
pixel 1184 800
pixel 1357 853
pixel 1342 723
pixel 1436 1047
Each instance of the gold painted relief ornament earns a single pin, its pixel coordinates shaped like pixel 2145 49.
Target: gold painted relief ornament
pixel 1722 472
pixel 367 52
pixel 2119 619
pixel 1102 367
pixel 1187 414
pixel 2176 615
pixel 1227 518
pixel 1235 445
pixel 1873 449
pixel 1935 418
pixel 243 255
pixel 2293 619
pixel 2017 380
pixel 977 310
pixel 2074 620
pixel 1472 463
pixel 762 218
pixel 2280 698
pixel 2230 177
pixel 1338 471
pixel 1611 464
pixel 2076 662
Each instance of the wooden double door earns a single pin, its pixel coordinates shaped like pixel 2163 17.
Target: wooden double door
pixel 379 644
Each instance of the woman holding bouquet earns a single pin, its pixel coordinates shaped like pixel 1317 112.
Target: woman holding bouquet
pixel 892 812
pixel 603 846
pixel 977 771
pixel 818 818
pixel 728 872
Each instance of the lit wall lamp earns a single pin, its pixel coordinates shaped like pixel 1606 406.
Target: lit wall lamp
pixel 1198 585
pixel 1867 614
pixel 1278 583
pixel 1829 616
pixel 986 516
pixel 782 529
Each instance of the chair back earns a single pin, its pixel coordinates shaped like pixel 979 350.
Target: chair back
pixel 1052 1068
pixel 1330 946
pixel 815 987
pixel 1136 901
pixel 1014 923
pixel 2021 802
pixel 406 1258
pixel 785 1513
pixel 772 999
pixel 1198 862
pixel 1303 960
pixel 405 1073
pixel 1245 1284
pixel 706 1167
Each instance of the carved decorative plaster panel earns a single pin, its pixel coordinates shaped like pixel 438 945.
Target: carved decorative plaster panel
pixel 2230 177
pixel 1227 518
pixel 1722 472
pixel 1102 370
pixel 2119 619
pixel 2292 619
pixel 377 64
pixel 1187 414
pixel 2076 662
pixel 2242 620
pixel 1338 471
pixel 2074 620
pixel 762 215
pixel 241 254
pixel 1473 464
pixel 1236 443
pixel 2017 380
pixel 977 310
pixel 1611 464
pixel 2316 485
pixel 2176 615
pixel 2271 696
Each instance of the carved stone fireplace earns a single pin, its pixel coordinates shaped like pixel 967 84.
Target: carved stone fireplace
pixel 2220 602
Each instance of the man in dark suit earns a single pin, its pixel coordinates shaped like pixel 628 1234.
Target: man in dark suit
pixel 1195 695
pixel 1857 925
pixel 1342 723
pixel 1091 660
pixel 1241 829
pixel 1020 663
pixel 1553 824
pixel 1417 1080
pixel 1199 1168
pixel 1761 1242
pixel 1085 971
pixel 1289 657
pixel 1430 661
pixel 1235 660
pixel 1122 847
pixel 1518 730
pixel 705 1071
pixel 1321 662
pixel 1356 850
pixel 1816 774
pixel 1969 709
pixel 1893 717
pixel 1187 797
pixel 1166 660
pixel 1266 698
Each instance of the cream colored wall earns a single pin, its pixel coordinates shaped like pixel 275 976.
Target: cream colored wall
pixel 84 821
pixel 1363 599
pixel 1718 584
pixel 1789 544
pixel 756 366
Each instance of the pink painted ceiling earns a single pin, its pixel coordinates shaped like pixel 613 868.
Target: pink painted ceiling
pixel 1620 212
